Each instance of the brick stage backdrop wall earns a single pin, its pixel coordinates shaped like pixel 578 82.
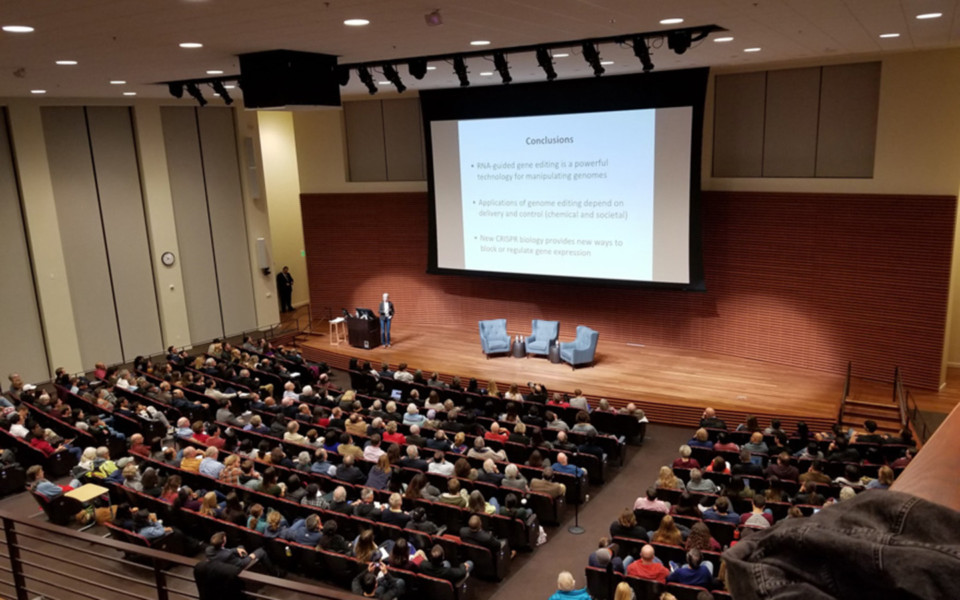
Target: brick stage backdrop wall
pixel 799 279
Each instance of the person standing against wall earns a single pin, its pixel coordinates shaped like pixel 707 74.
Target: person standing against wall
pixel 285 289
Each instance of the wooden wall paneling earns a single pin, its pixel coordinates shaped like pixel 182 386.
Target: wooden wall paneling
pixel 221 171
pixel 81 233
pixel 182 144
pixel 125 229
pixel 23 349
pixel 808 280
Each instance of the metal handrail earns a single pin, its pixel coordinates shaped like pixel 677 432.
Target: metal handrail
pixel 157 566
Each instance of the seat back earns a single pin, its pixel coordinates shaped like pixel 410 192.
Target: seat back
pixel 600 583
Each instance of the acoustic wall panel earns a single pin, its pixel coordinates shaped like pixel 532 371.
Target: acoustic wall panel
pixel 849 103
pixel 124 226
pixel 23 347
pixel 366 149
pixel 790 127
pixel 81 234
pixel 738 125
pixel 218 144
pixel 188 190
pixel 809 280
pixel 403 139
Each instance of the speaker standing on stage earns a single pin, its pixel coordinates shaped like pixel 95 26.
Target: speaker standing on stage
pixel 386 317
pixel 285 289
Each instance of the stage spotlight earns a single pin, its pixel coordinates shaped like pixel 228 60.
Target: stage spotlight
pixel 460 68
pixel 678 41
pixel 194 91
pixel 364 74
pixel 592 57
pixel 418 68
pixel 343 76
pixel 176 89
pixel 546 63
pixel 502 66
pixel 390 72
pixel 221 91
pixel 642 51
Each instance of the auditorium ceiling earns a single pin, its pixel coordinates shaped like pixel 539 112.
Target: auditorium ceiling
pixel 137 41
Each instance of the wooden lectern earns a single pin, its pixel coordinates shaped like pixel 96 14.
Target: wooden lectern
pixel 363 333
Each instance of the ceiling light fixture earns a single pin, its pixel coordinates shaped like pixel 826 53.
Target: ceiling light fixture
pixel 888 36
pixel 546 63
pixel 460 68
pixel 356 22
pixel 433 19
pixel 561 55
pixel 592 56
pixel 751 49
pixel 486 73
pixel 38 91
pixel 722 40
pixel 191 45
pixel 66 63
pixel 926 16
pixel 221 91
pixel 175 89
pixel 502 66
pixel 214 72
pixel 671 21
pixel 431 68
pixel 390 72
pixel 129 93
pixel 194 91
pixel 18 29
pixel 343 75
pixel 480 43
pixel 364 74
pixel 117 82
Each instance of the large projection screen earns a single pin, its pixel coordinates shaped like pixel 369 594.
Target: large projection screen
pixel 585 180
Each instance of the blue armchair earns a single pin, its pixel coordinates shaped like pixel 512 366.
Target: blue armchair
pixel 581 350
pixel 543 333
pixel 494 338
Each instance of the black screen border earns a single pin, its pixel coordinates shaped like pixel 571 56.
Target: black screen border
pixel 667 89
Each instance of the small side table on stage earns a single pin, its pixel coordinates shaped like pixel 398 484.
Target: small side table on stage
pixel 519 349
pixel 553 354
pixel 338 331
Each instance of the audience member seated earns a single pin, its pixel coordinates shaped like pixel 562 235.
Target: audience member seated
pixel 746 466
pixel 454 494
pixel 815 474
pixel 710 420
pixel 650 502
pixel 721 511
pixel 626 526
pixel 701 539
pixel 685 462
pixel 687 506
pixel 718 465
pixel 666 479
pixel 756 445
pixel 566 589
pixel 563 466
pixel 774 428
pixel 667 533
pixel 724 444
pixel 783 469
pixel 440 465
pixel 884 479
pixel 377 582
pixel 701 439
pixel 698 484
pixel 808 495
pixel 476 534
pixel 547 485
pixel 695 572
pixel 648 566
pixel 758 516
pixel 606 554
pixel 436 566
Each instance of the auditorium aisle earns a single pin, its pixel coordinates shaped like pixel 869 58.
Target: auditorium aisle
pixel 535 575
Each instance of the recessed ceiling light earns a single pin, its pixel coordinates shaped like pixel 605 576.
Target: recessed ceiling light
pixel 561 55
pixel 606 62
pixel 930 16
pixel 486 73
pixel 229 87
pixel 889 35
pixel 356 22
pixel 18 28
pixel 671 21
pixel 214 72
pixel 118 82
pixel 480 43
pixel 431 68
pixel 38 91
pixel 191 45
pixel 721 40
pixel 383 82
pixel 66 62
pixel 129 93
pixel 751 49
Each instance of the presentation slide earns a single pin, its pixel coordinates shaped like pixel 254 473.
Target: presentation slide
pixel 591 180
pixel 558 195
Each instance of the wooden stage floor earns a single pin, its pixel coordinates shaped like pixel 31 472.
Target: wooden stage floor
pixel 672 386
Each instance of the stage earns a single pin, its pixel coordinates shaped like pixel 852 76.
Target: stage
pixel 671 385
